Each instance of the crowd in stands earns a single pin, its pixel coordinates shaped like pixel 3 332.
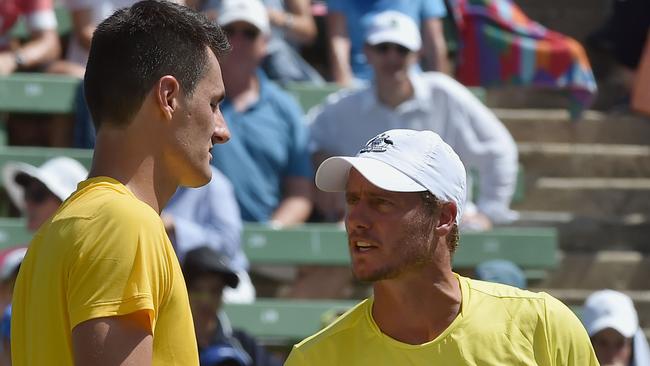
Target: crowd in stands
pixel 392 62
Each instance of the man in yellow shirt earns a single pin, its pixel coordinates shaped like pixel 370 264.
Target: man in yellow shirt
pixel 405 192
pixel 100 284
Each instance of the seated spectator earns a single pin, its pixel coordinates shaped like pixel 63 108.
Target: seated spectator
pixel 209 214
pixel 292 25
pixel 432 101
pixel 501 271
pixel 42 45
pixel 502 46
pixel 347 21
pixel 206 275
pixel 613 325
pixel 10 260
pixel 266 158
pixel 38 191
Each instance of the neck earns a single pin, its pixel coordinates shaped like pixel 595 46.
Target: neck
pixel 395 90
pixel 243 87
pixel 417 306
pixel 121 155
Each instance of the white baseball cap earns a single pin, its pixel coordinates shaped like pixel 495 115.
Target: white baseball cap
pixel 402 160
pixel 610 309
pixel 60 175
pixel 393 27
pixel 249 11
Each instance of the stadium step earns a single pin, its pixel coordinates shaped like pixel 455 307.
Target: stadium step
pixel 553 125
pixel 550 159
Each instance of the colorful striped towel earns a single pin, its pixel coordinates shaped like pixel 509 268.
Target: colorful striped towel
pixel 500 45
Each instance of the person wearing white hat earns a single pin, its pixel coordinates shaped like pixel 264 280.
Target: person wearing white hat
pixel 38 191
pixel 613 325
pixel 405 193
pixel 400 98
pixel 267 159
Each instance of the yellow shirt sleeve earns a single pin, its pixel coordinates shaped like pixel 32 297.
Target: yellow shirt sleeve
pixel 118 269
pixel 567 338
pixel 295 358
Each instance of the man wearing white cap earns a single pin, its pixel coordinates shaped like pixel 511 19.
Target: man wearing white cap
pixel 405 193
pixel 402 98
pixel 267 159
pixel 613 325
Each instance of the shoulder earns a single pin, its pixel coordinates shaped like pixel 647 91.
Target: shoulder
pixel 337 332
pixel 526 303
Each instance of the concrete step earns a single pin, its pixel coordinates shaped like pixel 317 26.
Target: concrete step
pixel 598 231
pixel 588 196
pixel 553 125
pixel 584 160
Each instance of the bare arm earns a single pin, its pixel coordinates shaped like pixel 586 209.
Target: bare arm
pixel 434 46
pixel 82 26
pixel 339 46
pixel 43 47
pixel 119 340
pixel 296 205
pixel 297 21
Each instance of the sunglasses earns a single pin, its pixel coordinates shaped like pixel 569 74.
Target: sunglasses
pixel 36 192
pixel 384 48
pixel 249 33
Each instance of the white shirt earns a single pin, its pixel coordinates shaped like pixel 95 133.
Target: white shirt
pixel 348 119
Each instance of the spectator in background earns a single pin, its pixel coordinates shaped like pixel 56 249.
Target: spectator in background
pixel 346 24
pixel 613 325
pixel 10 260
pixel 209 215
pixel 207 274
pixel 432 101
pixel 292 25
pixel 266 159
pixel 42 45
pixel 38 191
pixel 501 271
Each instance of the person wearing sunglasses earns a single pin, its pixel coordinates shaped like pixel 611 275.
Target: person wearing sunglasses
pixel 37 192
pixel 267 158
pixel 401 97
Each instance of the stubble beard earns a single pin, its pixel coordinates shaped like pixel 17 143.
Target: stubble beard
pixel 418 246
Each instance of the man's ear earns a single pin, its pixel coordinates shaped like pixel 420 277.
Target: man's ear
pixel 446 219
pixel 167 92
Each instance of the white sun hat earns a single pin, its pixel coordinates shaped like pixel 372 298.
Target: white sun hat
pixel 249 11
pixel 393 27
pixel 610 309
pixel 60 175
pixel 402 160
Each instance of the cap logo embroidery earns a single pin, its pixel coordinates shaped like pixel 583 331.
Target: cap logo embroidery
pixel 377 144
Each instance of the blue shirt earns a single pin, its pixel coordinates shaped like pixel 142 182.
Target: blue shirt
pixel 208 215
pixel 268 144
pixel 358 13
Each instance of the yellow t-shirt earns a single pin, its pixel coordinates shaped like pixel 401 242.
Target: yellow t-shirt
pixel 497 325
pixel 103 253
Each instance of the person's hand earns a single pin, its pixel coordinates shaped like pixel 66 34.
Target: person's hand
pixel 476 221
pixel 7 63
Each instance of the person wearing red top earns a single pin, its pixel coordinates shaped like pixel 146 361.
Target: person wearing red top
pixel 42 45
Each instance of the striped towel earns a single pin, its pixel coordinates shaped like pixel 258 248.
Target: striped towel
pixel 500 45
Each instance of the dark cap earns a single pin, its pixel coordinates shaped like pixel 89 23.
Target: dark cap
pixel 206 260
